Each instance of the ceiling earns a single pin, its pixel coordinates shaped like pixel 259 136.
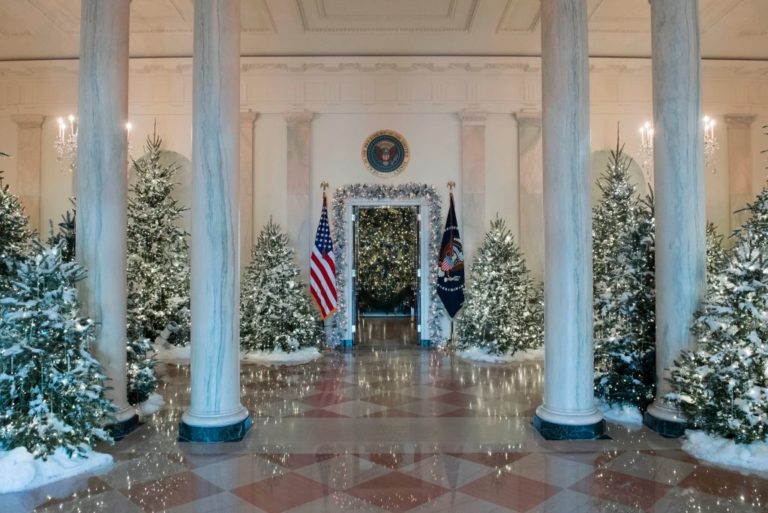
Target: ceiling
pixel 48 29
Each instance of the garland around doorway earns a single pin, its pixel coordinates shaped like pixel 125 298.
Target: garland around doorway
pixel 408 191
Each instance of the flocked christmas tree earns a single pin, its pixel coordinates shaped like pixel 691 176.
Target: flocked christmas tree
pixel 158 267
pixel 387 257
pixel 503 310
pixel 14 232
pixel 722 387
pixel 158 249
pixel 51 388
pixel 276 313
pixel 717 256
pixel 624 289
pixel 66 235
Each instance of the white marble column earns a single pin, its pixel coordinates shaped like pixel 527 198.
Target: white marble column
pixel 101 187
pixel 299 126
pixel 247 120
pixel 678 171
pixel 28 165
pixel 568 411
pixel 530 167
pixel 739 128
pixel 215 412
pixel 472 207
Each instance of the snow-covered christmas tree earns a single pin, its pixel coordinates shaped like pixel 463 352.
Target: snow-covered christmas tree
pixel 717 256
pixel 14 232
pixel 158 250
pixel 276 314
pixel 624 290
pixel 51 388
pixel 503 310
pixel 66 235
pixel 158 267
pixel 722 386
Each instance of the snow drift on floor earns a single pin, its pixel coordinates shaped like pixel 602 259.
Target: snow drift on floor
pixel 621 414
pixel 169 353
pixel 21 471
pixel 173 354
pixel 151 405
pixel 279 357
pixel 715 449
pixel 479 354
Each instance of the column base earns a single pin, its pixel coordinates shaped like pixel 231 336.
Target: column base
pixel 668 423
pixel 123 428
pixel 561 426
pixel 230 432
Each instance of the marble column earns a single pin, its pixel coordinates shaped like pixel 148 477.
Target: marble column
pixel 100 185
pixel 739 128
pixel 472 206
pixel 679 180
pixel 247 120
pixel 530 166
pixel 28 165
pixel 568 411
pixel 215 413
pixel 299 126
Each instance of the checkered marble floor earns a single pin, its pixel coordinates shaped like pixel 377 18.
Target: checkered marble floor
pixel 392 428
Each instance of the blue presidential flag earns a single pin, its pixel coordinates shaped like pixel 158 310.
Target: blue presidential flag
pixel 450 268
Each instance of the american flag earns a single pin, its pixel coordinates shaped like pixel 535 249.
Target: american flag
pixel 322 267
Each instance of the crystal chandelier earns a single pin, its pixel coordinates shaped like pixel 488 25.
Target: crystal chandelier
pixel 710 142
pixel 66 143
pixel 646 151
pixel 646 146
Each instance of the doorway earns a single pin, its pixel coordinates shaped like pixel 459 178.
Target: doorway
pixel 387 259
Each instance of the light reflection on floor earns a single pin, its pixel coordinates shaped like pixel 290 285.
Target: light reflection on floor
pixel 391 427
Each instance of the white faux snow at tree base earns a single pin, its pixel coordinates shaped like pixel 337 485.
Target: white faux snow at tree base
pixel 624 289
pixel 275 309
pixel 158 267
pixel 450 267
pixel 722 387
pixel 52 389
pixel 504 309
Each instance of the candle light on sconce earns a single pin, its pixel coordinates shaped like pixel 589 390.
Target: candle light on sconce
pixel 710 142
pixel 66 142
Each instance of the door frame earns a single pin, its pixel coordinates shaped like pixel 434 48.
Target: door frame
pixel 425 230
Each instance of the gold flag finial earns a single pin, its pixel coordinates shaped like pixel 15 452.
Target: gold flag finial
pixel 451 186
pixel 324 186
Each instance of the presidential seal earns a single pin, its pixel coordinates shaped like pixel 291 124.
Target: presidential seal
pixel 385 153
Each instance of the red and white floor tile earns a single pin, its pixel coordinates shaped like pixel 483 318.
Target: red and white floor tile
pixel 392 428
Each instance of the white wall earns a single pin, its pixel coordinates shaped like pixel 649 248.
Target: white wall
pixel 353 97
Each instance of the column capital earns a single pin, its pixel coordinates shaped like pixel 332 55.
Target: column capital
pixel 248 115
pixel 739 119
pixel 473 117
pixel 298 116
pixel 528 118
pixel 28 120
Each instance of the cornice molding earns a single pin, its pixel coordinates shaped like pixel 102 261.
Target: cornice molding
pixel 365 65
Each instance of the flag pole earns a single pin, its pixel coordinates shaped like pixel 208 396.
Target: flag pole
pixel 451 185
